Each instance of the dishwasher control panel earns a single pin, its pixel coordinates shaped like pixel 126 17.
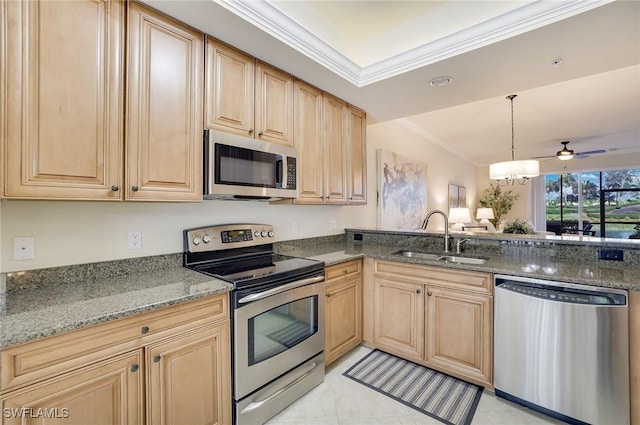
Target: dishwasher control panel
pixel 562 294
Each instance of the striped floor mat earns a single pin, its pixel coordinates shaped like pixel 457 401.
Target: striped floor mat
pixel 440 396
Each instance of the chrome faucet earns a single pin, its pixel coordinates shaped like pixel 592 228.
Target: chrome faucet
pixel 446 226
pixel 458 245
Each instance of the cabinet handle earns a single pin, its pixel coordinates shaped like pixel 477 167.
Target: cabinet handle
pixel 418 291
pixel 145 329
pixel 115 188
pixel 134 368
pixel 260 134
pixel 328 295
pixel 156 358
pixel 345 271
pixel 251 131
pixel 135 188
pixel 429 293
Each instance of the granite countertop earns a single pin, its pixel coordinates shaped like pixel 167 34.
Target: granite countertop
pixel 596 273
pixel 59 300
pixel 36 311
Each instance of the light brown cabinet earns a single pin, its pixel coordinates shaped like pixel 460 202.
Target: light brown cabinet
pixel 185 376
pixel 246 96
pixel 439 317
pixel 356 156
pixel 331 143
pixel 399 317
pixel 66 129
pixel 64 90
pixel 343 324
pixel 107 393
pixel 169 366
pixel 165 80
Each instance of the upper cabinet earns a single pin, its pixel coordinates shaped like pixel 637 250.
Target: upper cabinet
pixel 165 81
pixel 247 97
pixel 64 90
pixel 356 156
pixel 331 143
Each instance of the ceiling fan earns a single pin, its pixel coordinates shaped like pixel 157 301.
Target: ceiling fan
pixel 566 154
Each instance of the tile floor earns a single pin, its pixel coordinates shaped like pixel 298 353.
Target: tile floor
pixel 341 401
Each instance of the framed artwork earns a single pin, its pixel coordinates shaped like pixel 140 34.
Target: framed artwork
pixel 402 191
pixel 457 196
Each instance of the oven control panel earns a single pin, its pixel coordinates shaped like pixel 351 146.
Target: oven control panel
pixel 213 238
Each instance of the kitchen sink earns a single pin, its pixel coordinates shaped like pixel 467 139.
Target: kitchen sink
pixel 438 257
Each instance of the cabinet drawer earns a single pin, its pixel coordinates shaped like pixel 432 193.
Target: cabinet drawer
pixel 40 359
pixel 441 276
pixel 343 270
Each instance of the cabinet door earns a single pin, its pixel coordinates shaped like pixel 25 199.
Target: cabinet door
pixel 230 83
pixel 107 393
pixel 309 142
pixel 357 156
pixel 334 150
pixel 165 82
pixel 189 379
pixel 459 336
pixel 399 318
pixel 343 317
pixel 64 99
pixel 274 105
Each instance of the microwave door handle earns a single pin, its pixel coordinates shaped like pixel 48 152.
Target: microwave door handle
pixel 279 289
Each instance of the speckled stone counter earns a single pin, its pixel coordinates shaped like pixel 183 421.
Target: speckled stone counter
pixel 542 261
pixel 33 308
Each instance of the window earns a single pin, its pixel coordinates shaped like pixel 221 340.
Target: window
pixel 598 203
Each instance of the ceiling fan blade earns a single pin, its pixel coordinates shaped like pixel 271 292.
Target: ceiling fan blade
pixel 542 157
pixel 591 152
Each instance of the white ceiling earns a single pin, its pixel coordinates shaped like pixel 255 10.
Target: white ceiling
pixel 381 55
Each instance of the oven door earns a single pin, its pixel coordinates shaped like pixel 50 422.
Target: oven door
pixel 275 331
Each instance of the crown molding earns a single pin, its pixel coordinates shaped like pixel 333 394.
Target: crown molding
pixel 272 21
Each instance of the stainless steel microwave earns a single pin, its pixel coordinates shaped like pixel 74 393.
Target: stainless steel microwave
pixel 241 168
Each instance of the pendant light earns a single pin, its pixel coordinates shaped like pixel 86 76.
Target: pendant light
pixel 510 172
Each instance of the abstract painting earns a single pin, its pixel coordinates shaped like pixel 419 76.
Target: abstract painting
pixel 402 191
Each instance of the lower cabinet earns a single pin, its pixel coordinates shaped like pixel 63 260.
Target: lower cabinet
pixel 343 323
pixel 108 392
pixel 438 317
pixel 398 326
pixel 169 366
pixel 185 376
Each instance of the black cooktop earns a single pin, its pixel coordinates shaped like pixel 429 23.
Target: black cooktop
pixel 259 269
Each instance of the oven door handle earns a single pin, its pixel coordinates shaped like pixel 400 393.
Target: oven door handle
pixel 279 289
pixel 257 404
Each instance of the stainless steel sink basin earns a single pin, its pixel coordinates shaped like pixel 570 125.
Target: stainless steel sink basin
pixel 462 260
pixel 439 257
pixel 421 255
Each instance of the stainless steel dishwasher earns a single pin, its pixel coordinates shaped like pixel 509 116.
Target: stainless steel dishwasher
pixel 562 349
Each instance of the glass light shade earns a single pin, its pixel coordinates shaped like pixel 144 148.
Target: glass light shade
pixel 564 155
pixel 485 214
pixel 459 215
pixel 514 169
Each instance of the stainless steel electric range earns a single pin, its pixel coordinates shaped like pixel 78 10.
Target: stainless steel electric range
pixel 277 315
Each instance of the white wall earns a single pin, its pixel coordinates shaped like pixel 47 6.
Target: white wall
pixel 443 167
pixel 75 232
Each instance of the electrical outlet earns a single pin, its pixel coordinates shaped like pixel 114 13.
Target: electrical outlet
pixel 332 225
pixel 23 248
pixel 135 239
pixel 294 227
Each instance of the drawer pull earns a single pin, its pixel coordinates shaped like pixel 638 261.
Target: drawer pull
pixel 429 293
pixel 145 330
pixel 156 358
pixel 418 291
pixel 345 271
pixel 135 188
pixel 115 188
pixel 134 368
pixel 328 295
